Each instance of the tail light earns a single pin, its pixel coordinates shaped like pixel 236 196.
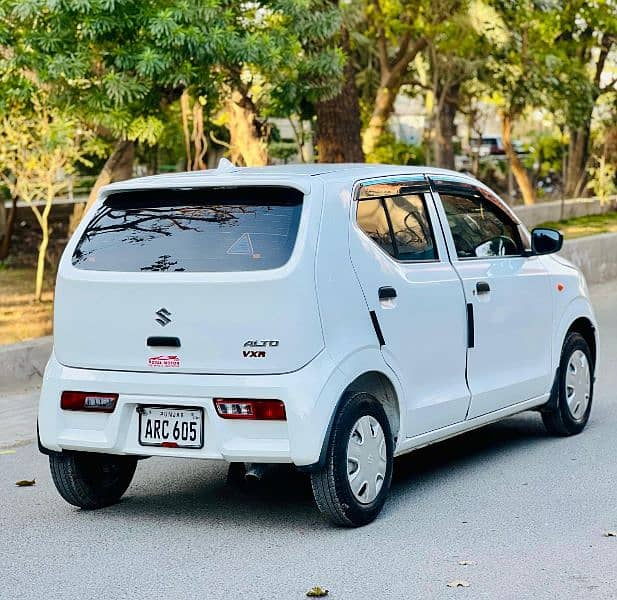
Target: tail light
pixel 258 410
pixel 88 401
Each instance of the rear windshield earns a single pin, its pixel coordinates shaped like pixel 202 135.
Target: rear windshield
pixel 196 230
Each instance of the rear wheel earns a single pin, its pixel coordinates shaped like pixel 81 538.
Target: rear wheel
pixel 89 480
pixel 352 487
pixel 569 411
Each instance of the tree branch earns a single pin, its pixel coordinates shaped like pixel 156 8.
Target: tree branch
pixel 605 48
pixel 382 43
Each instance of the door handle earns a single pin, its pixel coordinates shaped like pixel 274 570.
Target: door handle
pixel 387 293
pixel 482 287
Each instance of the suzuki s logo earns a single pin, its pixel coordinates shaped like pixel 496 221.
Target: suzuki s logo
pixel 163 317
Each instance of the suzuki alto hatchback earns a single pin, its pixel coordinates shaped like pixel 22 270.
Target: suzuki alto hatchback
pixel 327 316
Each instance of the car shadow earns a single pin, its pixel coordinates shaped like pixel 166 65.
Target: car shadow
pixel 486 443
pixel 196 492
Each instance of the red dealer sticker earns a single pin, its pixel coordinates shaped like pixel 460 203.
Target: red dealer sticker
pixel 164 361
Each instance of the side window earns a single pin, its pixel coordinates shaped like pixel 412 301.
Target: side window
pixel 399 225
pixel 479 228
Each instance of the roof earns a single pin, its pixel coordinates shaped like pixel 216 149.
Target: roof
pixel 297 176
pixel 227 171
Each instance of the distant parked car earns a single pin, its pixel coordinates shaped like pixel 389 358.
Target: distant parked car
pixel 493 146
pixel 327 316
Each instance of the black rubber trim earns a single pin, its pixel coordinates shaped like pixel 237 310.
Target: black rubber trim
pixel 377 327
pixel 553 399
pixel 42 448
pixel 166 342
pixel 470 327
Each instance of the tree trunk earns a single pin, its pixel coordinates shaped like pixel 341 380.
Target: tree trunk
pixel 390 84
pixel 445 130
pixel 249 136
pixel 9 226
pixel 118 167
pixel 518 169
pixel 184 107
pixel 384 106
pixel 43 220
pixel 200 143
pixel 338 135
pixel 40 265
pixel 578 155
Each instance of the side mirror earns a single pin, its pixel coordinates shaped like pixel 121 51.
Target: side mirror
pixel 546 241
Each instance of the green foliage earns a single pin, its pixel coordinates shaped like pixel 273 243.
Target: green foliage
pixel 389 150
pixel 547 152
pixel 283 150
pixel 603 180
pixel 576 227
pixel 120 62
pixel 39 148
pixel 525 68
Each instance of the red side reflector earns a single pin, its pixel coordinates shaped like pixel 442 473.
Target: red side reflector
pixel 243 408
pixel 88 401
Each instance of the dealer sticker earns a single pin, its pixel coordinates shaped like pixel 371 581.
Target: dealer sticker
pixel 164 361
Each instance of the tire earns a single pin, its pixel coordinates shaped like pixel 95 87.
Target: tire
pixel 91 481
pixel 565 414
pixel 331 484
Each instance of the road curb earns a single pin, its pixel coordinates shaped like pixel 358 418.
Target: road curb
pixel 534 214
pixel 24 362
pixel 594 255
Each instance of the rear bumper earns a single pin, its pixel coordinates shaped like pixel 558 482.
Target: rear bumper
pixel 310 396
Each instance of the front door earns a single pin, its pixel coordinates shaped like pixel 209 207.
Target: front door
pixel 401 260
pixel 509 296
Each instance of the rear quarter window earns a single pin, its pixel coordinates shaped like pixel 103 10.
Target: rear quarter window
pixel 196 230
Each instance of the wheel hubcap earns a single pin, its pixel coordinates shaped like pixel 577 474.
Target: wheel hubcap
pixel 578 384
pixel 366 459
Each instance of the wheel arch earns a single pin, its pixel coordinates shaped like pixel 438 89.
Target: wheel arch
pixel 577 316
pixel 586 328
pixel 379 385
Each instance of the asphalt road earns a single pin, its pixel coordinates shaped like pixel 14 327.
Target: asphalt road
pixel 529 511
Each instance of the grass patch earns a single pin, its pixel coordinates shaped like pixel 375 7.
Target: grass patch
pixel 21 318
pixel 577 227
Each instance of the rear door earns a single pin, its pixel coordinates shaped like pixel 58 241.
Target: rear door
pixel 508 296
pixel 205 280
pixel 401 261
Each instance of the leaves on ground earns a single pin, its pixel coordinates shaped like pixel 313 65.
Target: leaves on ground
pixel 466 563
pixel 7 452
pixel 458 583
pixel 610 534
pixel 25 482
pixel 317 592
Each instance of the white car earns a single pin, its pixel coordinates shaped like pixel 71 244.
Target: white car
pixel 328 316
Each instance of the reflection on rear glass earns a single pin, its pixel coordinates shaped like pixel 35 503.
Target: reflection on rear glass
pixel 174 230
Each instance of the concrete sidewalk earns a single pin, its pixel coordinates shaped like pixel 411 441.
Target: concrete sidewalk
pixel 18 411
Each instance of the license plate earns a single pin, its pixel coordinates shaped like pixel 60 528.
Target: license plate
pixel 171 427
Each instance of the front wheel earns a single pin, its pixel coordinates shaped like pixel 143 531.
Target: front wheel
pixel 352 486
pixel 569 410
pixel 89 480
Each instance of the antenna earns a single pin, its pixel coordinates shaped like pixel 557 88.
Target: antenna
pixel 225 166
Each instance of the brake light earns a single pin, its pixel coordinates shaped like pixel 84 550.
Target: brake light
pixel 243 408
pixel 88 401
